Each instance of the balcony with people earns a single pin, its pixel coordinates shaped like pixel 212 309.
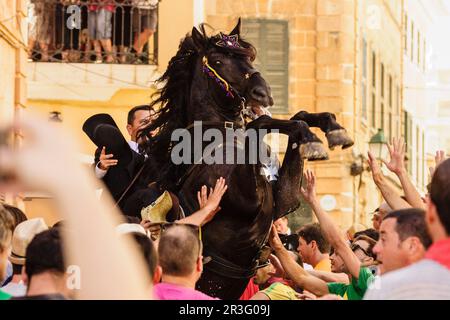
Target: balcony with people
pixel 93 31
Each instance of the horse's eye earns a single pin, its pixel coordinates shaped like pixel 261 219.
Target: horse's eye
pixel 218 62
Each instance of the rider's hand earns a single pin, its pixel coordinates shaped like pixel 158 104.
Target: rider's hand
pixel 106 160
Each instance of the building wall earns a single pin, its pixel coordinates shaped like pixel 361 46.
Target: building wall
pixel 12 69
pixel 325 75
pixel 418 105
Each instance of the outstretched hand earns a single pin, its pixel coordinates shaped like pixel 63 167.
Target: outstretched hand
pixel 210 203
pixel 374 165
pixel 309 193
pixel 274 240
pixel 438 159
pixel 397 154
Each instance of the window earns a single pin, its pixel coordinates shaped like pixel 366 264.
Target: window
pixel 408 140
pixel 382 100
pixel 406 34
pixel 418 151
pixel 412 41
pixel 390 132
pixel 374 69
pixel 423 159
pixel 424 55
pixel 390 92
pixel 418 49
pixel 374 89
pixel 364 80
pixel 271 39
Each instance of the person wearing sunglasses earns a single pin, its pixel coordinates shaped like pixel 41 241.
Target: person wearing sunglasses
pixel 351 260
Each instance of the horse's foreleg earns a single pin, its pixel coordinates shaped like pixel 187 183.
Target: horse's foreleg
pixel 287 187
pixel 308 145
pixel 326 121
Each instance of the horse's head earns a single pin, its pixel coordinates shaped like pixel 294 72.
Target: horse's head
pixel 226 63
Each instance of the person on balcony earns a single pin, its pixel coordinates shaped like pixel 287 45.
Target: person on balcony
pixel 122 30
pixel 40 26
pixel 100 28
pixel 145 19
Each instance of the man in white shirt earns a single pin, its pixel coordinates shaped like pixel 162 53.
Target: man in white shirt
pixel 138 117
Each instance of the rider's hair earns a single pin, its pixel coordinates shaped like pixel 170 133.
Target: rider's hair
pixel 131 113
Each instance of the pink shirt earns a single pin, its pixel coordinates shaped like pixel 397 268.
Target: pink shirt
pixel 168 291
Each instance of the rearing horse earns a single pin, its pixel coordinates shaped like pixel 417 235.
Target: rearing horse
pixel 211 79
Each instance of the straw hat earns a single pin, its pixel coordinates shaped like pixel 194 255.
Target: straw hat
pixel 125 228
pixel 23 234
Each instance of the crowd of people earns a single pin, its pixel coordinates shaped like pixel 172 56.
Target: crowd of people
pixel 404 255
pixel 111 31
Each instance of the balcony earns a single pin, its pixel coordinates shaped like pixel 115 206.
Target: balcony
pixel 93 31
pixel 90 50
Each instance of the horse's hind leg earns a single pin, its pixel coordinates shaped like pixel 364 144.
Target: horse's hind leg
pixel 335 133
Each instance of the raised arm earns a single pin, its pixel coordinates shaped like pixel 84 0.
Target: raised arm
pixel 331 232
pixel 389 194
pixel 294 271
pixel 397 165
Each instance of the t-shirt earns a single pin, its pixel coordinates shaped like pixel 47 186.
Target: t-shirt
pixel 4 295
pixel 323 265
pixel 423 280
pixel 356 289
pixel 249 291
pixel 168 291
pixel 280 291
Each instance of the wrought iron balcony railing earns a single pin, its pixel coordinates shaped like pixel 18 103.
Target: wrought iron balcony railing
pixel 93 31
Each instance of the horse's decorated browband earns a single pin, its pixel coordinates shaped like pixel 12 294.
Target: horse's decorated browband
pixel 215 76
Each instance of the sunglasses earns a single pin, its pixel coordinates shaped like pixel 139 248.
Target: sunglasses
pixel 356 246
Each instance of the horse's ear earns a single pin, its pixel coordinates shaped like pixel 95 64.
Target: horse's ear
pixel 197 37
pixel 237 29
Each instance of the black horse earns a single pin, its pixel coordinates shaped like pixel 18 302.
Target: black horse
pixel 211 79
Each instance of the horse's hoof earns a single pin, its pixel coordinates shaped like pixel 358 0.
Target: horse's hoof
pixel 313 151
pixel 339 137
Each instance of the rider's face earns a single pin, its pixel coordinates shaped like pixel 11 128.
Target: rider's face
pixel 141 119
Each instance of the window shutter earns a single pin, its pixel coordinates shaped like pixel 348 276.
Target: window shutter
pixel 271 39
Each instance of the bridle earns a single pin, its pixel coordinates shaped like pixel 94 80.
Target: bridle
pixel 230 91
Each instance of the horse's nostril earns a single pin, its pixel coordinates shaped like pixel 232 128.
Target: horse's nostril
pixel 258 93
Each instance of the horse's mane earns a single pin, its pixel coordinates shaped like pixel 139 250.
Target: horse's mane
pixel 172 104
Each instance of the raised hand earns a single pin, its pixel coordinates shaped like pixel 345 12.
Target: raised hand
pixel 309 193
pixel 438 159
pixel 210 203
pixel 106 160
pixel 397 154
pixel 374 166
pixel 274 240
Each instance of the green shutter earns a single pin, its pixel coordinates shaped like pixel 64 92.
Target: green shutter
pixel 271 39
